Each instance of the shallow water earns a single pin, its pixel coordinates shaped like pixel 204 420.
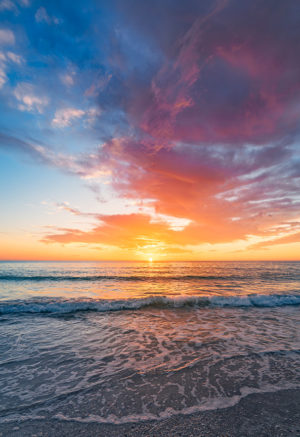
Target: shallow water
pixel 121 342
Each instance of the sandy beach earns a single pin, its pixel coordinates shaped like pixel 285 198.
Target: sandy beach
pixel 264 415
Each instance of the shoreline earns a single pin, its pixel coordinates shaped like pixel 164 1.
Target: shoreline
pixel 274 414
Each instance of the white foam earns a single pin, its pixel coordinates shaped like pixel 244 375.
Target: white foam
pixel 207 405
pixel 64 306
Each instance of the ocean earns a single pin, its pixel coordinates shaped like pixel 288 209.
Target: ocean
pixel 124 342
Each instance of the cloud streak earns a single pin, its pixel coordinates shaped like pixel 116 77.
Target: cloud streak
pixel 65 116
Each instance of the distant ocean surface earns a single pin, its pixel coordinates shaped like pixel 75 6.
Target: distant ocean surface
pixel 119 342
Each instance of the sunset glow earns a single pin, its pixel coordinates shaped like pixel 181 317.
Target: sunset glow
pixel 149 218
pixel 150 130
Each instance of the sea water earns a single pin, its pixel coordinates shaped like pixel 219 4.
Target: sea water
pixel 118 342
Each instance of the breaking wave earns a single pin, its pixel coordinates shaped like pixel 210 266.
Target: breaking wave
pixel 66 306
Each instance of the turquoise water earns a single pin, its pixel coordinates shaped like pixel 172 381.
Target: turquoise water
pixel 121 342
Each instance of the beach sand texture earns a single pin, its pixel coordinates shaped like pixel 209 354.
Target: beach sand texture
pixel 264 415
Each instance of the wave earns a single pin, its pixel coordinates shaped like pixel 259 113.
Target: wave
pixel 144 278
pixel 115 278
pixel 210 404
pixel 67 306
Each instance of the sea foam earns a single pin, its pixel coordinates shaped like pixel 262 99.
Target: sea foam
pixel 65 306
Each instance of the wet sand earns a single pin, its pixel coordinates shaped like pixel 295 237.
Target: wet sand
pixel 257 415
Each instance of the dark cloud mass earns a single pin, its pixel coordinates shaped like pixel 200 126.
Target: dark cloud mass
pixel 230 73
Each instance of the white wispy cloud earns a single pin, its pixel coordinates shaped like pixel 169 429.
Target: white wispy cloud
pixel 86 166
pixel 3 77
pixel 8 5
pixel 67 79
pixel 25 3
pixel 65 116
pixel 42 15
pixel 5 59
pixel 30 100
pixel 17 59
pixel 7 37
pixel 92 115
pixel 13 6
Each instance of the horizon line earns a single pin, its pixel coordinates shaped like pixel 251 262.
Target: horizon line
pixel 147 261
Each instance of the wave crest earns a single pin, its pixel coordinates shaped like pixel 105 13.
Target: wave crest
pixel 66 306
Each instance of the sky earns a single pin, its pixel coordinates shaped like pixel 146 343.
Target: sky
pixel 162 129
